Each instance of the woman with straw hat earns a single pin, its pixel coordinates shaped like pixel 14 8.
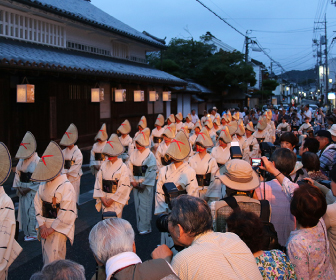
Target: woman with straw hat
pixel 124 129
pixel 240 134
pixel 26 189
pixel 270 125
pixel 55 204
pixel 156 135
pixel 209 126
pixel 9 248
pixel 197 128
pixel 112 188
pixel 178 119
pixel 189 123
pixel 168 135
pixel 142 166
pixel 73 158
pixel 96 155
pixel 217 124
pixel 203 163
pixel 221 153
pixel 141 126
pixel 251 144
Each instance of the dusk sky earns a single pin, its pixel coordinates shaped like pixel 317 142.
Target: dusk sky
pixel 283 28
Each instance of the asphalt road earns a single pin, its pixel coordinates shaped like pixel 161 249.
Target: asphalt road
pixel 30 260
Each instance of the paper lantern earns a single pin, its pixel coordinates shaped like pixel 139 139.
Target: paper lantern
pixel 166 96
pixel 153 96
pixel 97 94
pixel 120 95
pixel 25 93
pixel 139 96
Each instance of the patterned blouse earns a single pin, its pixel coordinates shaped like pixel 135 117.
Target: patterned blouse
pixel 275 264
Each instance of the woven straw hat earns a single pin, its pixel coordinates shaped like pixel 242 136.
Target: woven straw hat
pixel 50 164
pixel 238 174
pixel 113 146
pixel 143 122
pixel 189 117
pixel 241 128
pixel 209 123
pixel 102 133
pixel 159 120
pixel 185 129
pixel 225 135
pixel 229 115
pixel 204 139
pixel 269 114
pixel 125 127
pixel 70 136
pixel 249 126
pixel 27 146
pixel 217 121
pixel 5 163
pixel 179 116
pixel 142 138
pixel 236 116
pixel 179 148
pixel 170 131
pixel 171 118
pixel 226 118
pixel 198 124
pixel 262 123
pixel 233 127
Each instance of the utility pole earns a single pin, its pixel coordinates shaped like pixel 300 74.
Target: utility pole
pixel 326 58
pixel 247 41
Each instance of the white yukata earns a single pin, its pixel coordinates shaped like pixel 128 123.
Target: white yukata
pixel 190 126
pixel 143 201
pixel 54 247
pixel 9 248
pixel 241 142
pixel 178 126
pixel 283 127
pixel 202 167
pixel 251 149
pixel 213 137
pixel 192 139
pixel 75 172
pixel 156 133
pixel 96 148
pixel 160 152
pixel 303 129
pixel 221 155
pixel 118 172
pixel 26 212
pixel 127 143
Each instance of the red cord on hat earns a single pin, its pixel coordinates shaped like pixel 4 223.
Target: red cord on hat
pixel 177 142
pixel 67 133
pixel 109 142
pixel 23 144
pixel 44 157
pixel 202 134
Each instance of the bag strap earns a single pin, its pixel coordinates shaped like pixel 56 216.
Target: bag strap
pixel 232 202
pixel 265 210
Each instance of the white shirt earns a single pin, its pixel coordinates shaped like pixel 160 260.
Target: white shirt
pixel 194 118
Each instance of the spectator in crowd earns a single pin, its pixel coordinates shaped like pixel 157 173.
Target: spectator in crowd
pixel 308 246
pixel 272 264
pixel 319 119
pixel 306 113
pixel 311 166
pixel 330 122
pixel 208 254
pixel 60 270
pixel 194 117
pixel 327 151
pixel 288 140
pixel 309 145
pixel 332 131
pixel 283 114
pixel 112 244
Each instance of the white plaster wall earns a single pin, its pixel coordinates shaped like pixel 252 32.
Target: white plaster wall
pixel 179 103
pixel 186 104
pixel 167 109
pixel 194 106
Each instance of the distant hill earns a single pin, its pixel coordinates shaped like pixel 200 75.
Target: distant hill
pixel 299 77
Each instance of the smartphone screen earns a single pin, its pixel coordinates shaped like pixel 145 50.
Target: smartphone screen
pixel 256 162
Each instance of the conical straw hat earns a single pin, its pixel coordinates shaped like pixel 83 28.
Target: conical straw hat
pixel 269 114
pixel 70 136
pixel 262 122
pixel 142 138
pixel 225 135
pixel 236 116
pixel 179 148
pixel 185 129
pixel 147 132
pixel 113 146
pixel 125 127
pixel 159 120
pixel 102 133
pixel 50 164
pixel 143 122
pixel 189 117
pixel 198 124
pixel 171 118
pixel 241 128
pixel 204 139
pixel 27 146
pixel 170 131
pixel 179 116
pixel 217 121
pixel 249 126
pixel 226 118
pixel 229 115
pixel 209 123
pixel 233 127
pixel 5 163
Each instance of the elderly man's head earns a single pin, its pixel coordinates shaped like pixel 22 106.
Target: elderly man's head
pixel 111 237
pixel 284 160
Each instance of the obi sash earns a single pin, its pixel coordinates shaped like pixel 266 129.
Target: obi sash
pixel 139 170
pixel 25 177
pixel 283 128
pixel 306 130
pixel 157 140
pixel 126 149
pixel 295 128
pixel 68 164
pixel 260 140
pixel 99 156
pixel 165 162
pixel 50 210
pixel 220 164
pixel 203 180
pixel 110 186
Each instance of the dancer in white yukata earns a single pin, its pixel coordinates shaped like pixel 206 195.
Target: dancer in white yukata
pixel 73 158
pixel 189 123
pixel 240 135
pixel 26 189
pixel 217 127
pixel 170 119
pixel 126 140
pixel 270 125
pixel 156 135
pixel 251 149
pixel 225 120
pixel 197 128
pixel 112 187
pixel 209 126
pixel 96 155
pixel 261 134
pixel 142 166
pixel 9 248
pixel 168 135
pixel 203 163
pixel 141 126
pixel 179 173
pixel 221 153
pixel 236 116
pixel 55 204
pixel 179 123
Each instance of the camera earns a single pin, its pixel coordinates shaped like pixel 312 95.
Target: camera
pixel 162 222
pixel 235 151
pixel 256 162
pixel 172 191
pixel 267 149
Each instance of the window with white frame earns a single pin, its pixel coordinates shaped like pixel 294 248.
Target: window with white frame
pixel 16 25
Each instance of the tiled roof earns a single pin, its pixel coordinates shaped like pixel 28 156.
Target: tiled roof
pixel 27 55
pixel 193 88
pixel 85 11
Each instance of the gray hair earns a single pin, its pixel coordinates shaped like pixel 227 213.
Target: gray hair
pixel 60 270
pixel 111 237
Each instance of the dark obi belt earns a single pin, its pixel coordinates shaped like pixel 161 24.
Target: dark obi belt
pixel 139 170
pixel 157 140
pixel 203 180
pixel 164 161
pixel 68 164
pixel 25 177
pixel 260 140
pixel 99 156
pixel 220 164
pixel 110 186
pixel 50 210
pixel 126 149
pixel 283 128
